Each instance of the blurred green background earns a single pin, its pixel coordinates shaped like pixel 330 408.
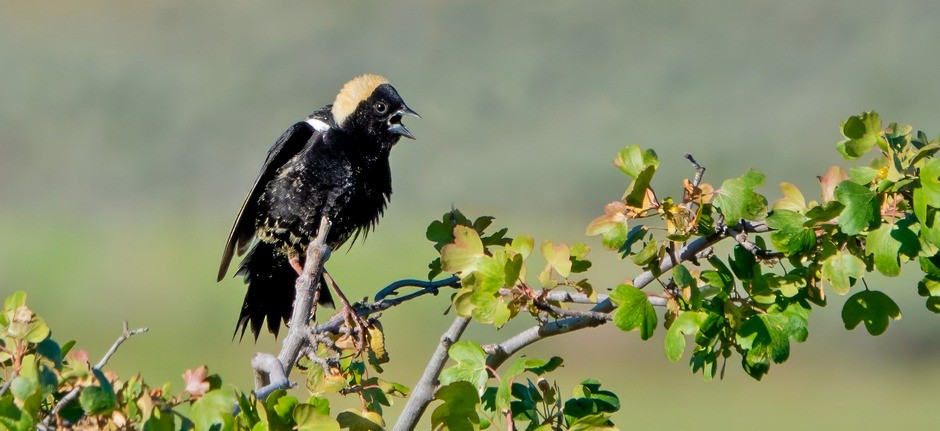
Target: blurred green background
pixel 130 131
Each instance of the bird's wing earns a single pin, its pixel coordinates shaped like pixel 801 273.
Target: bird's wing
pixel 243 230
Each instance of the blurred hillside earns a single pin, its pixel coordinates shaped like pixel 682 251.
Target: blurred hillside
pixel 129 132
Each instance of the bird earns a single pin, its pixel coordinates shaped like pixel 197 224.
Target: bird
pixel 334 164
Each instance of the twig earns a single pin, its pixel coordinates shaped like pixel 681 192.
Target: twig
pixel 741 237
pixel 423 392
pixel 392 289
pixel 306 289
pixel 699 170
pixel 334 325
pixel 125 334
pixel 558 311
pixel 560 295
pixel 6 386
pixel 117 343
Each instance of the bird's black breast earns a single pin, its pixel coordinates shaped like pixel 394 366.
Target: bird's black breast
pixel 331 176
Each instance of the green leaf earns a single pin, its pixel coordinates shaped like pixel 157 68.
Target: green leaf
pixel 872 307
pixel 596 422
pixel 579 262
pixel 523 245
pixel 797 318
pixel 464 253
pixel 720 278
pixel 862 132
pixel 788 285
pixel 523 364
pixel 489 275
pixel 842 269
pixel 13 417
pixel 687 323
pixel 792 200
pixel 441 232
pixel 634 311
pixel 311 418
pixel 612 226
pixel 929 286
pixel 790 236
pixel 488 308
pixel 589 401
pixel 649 253
pixel 863 175
pixel 930 182
pixel 558 257
pixel 633 161
pixel 214 411
pixel 101 399
pixel 280 410
pixel 737 200
pixel 765 338
pixel 37 330
pixel 636 191
pixel 635 234
pixel 743 263
pixel 861 207
pixel 887 243
pixel 459 410
pixel 684 280
pixel 470 366
pixel 933 304
pixel 357 420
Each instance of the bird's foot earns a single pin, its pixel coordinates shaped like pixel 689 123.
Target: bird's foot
pixel 358 327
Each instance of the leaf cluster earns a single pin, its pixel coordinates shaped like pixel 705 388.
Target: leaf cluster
pixel 470 402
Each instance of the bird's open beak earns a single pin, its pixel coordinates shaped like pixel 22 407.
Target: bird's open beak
pixel 394 123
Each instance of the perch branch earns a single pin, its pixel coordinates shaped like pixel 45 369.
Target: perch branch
pixel 269 376
pixel 423 392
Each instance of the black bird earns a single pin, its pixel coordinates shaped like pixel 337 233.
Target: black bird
pixel 336 164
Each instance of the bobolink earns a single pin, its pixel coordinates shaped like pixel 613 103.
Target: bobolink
pixel 335 163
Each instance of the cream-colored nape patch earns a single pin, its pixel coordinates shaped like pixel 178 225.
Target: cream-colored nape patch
pixel 355 91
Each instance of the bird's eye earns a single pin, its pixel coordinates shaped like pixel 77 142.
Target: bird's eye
pixel 380 107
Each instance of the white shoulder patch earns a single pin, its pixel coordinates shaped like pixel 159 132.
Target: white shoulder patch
pixel 318 125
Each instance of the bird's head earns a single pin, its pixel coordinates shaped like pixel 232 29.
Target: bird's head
pixel 369 105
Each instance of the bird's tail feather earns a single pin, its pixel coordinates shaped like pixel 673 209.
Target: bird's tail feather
pixel 270 295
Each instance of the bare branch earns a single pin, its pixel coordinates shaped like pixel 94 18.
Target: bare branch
pixel 125 334
pixel 423 392
pixel 69 397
